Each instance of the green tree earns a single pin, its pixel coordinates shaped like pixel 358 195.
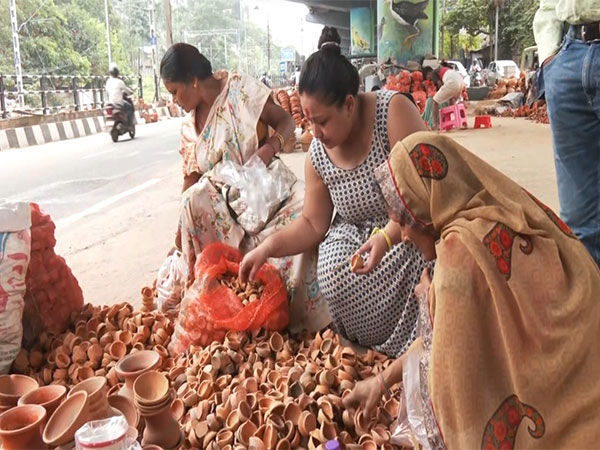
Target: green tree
pixel 477 17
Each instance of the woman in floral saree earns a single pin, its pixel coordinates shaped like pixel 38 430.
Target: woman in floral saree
pixel 228 111
pixel 508 355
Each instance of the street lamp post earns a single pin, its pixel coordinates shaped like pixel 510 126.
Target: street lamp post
pixel 107 32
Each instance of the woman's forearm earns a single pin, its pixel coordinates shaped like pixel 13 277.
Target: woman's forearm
pixel 298 237
pixel 190 180
pixel 393 231
pixel 285 128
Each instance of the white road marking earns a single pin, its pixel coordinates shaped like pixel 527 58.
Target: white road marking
pixel 107 202
pixel 94 155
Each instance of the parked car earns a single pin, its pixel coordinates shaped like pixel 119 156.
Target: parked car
pixel 458 66
pixel 500 69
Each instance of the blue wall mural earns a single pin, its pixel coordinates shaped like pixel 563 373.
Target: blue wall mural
pixel 361 31
pixel 405 29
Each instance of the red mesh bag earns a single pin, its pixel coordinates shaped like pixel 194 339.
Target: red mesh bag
pixel 210 309
pixel 53 292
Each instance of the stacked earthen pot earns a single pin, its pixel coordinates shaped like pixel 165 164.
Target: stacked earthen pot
pixel 153 396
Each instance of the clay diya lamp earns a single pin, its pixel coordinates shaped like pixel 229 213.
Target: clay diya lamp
pixel 356 262
pixel 177 409
pixel 380 435
pixel 224 437
pixel 276 342
pixel 132 366
pixel 368 445
pixel 13 387
pixel 117 350
pixel 292 412
pixel 283 444
pixel 47 396
pixel 255 443
pixel 245 432
pixel 66 420
pixel 362 424
pixel 270 436
pixel 307 423
pixel 21 427
pixel 126 408
pixel 97 390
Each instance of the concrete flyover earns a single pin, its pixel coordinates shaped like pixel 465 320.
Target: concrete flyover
pixel 336 13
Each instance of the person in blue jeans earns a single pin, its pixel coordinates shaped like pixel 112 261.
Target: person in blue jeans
pixel 571 76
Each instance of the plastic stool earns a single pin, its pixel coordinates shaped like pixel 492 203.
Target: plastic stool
pixel 483 121
pixel 454 116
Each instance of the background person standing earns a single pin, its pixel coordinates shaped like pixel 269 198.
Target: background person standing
pixel 571 75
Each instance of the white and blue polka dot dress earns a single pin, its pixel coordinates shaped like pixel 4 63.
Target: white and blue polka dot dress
pixel 377 310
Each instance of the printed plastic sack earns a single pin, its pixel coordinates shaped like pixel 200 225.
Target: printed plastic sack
pixel 170 281
pixel 254 191
pixel 210 309
pixel 53 292
pixel 15 221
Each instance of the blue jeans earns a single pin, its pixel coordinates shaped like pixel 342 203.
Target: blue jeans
pixel 572 85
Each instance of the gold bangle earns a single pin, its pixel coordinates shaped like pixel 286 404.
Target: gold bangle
pixel 385 235
pixel 280 139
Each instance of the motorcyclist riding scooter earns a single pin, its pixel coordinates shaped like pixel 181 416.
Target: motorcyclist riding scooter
pixel 119 108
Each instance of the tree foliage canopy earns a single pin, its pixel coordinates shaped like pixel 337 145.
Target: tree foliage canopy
pixel 477 17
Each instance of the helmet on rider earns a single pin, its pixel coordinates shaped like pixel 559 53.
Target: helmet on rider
pixel 113 69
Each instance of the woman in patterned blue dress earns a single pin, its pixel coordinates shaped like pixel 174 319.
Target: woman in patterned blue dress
pixel 343 205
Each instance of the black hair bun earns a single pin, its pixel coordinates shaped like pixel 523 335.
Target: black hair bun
pixel 330 40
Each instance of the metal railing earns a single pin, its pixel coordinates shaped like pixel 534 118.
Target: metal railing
pixel 47 94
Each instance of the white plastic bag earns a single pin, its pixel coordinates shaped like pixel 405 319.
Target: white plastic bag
pixel 411 430
pixel 107 434
pixel 170 281
pixel 15 251
pixel 258 190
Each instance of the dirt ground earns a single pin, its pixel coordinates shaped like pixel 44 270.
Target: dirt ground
pixel 115 269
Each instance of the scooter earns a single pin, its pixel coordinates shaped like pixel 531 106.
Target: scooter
pixel 117 121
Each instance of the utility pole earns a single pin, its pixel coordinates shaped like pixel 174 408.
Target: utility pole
pixel 16 52
pixel 107 32
pixel 268 46
pixel 154 44
pixel 443 24
pixel 496 37
pixel 169 18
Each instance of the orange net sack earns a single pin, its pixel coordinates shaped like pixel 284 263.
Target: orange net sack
pixel 210 309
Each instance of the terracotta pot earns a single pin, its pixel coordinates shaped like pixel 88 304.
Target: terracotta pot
pixel 21 427
pixel 47 396
pixel 126 408
pixel 356 262
pixel 67 419
pixel 13 387
pixel 117 350
pixel 151 389
pixel 161 429
pixel 97 390
pixel 132 366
